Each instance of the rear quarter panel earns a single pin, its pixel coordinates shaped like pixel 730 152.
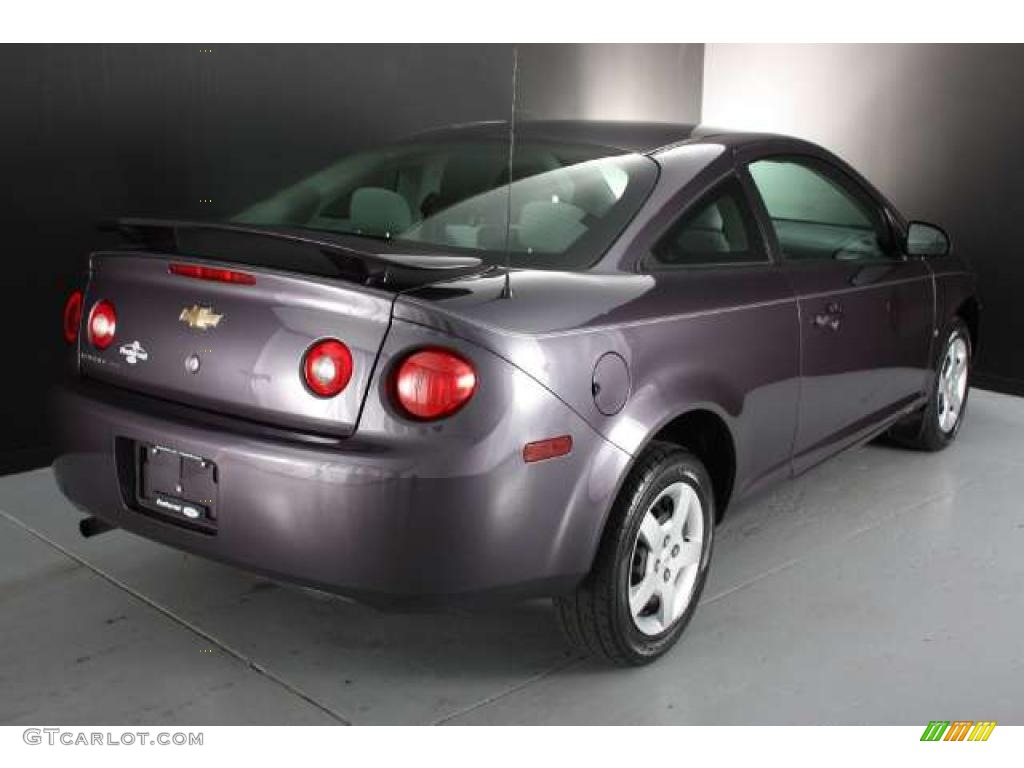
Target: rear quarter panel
pixel 721 340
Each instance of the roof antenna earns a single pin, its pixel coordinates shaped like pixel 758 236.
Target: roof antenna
pixel 506 291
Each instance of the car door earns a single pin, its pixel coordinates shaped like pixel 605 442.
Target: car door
pixel 865 310
pixel 731 334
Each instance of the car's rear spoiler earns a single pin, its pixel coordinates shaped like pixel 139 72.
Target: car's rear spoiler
pixel 165 234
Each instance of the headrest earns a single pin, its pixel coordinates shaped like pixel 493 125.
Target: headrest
pixel 709 218
pixel 379 211
pixel 550 227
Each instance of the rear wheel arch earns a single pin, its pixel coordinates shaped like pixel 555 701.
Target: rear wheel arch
pixel 704 432
pixel 707 435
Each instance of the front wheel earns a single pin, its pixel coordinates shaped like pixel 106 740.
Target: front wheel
pixel 938 423
pixel 651 565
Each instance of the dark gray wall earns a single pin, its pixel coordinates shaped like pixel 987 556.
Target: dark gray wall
pixel 94 132
pixel 936 127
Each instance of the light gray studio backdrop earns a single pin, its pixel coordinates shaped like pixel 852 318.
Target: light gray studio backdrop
pixel 936 127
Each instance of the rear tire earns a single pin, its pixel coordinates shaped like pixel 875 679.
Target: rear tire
pixel 939 422
pixel 651 564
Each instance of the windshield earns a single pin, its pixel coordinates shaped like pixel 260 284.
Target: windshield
pixel 564 207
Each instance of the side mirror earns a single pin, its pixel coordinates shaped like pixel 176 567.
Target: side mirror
pixel 926 240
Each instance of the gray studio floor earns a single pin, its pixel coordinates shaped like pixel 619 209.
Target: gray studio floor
pixel 883 587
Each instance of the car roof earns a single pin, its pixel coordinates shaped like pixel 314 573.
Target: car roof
pixel 619 135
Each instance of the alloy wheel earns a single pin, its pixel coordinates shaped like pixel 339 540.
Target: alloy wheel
pixel 666 559
pixel 952 384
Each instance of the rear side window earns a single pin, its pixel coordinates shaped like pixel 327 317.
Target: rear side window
pixel 718 230
pixel 818 214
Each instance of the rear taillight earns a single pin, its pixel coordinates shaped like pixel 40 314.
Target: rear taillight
pixel 216 274
pixel 434 383
pixel 72 316
pixel 102 324
pixel 327 367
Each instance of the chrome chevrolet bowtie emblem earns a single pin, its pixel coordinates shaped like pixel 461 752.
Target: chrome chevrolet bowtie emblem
pixel 200 317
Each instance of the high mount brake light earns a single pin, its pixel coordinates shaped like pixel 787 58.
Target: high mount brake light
pixel 433 383
pixel 216 274
pixel 327 367
pixel 102 324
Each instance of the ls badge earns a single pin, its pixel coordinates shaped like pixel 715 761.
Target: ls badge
pixel 133 352
pixel 200 317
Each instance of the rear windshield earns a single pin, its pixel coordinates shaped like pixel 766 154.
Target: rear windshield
pixel 566 204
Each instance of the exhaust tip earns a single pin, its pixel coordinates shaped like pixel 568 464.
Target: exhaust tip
pixel 93 526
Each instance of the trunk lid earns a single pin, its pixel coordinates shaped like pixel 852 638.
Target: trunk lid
pixel 249 340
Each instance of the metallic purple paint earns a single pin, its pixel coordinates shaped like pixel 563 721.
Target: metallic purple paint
pixel 348 495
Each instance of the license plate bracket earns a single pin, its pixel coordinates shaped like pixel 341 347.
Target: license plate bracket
pixel 176 486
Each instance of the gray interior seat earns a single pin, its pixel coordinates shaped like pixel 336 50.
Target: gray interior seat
pixel 705 234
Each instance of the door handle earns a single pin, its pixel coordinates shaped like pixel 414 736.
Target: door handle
pixel 830 319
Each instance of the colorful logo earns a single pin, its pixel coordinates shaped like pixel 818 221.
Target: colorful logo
pixel 134 352
pixel 958 730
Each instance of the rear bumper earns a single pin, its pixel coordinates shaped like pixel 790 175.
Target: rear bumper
pixel 379 520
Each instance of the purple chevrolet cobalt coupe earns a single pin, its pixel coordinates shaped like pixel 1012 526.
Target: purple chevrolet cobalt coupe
pixel 442 370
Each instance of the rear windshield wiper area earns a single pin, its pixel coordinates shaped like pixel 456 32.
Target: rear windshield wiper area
pixel 286 250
